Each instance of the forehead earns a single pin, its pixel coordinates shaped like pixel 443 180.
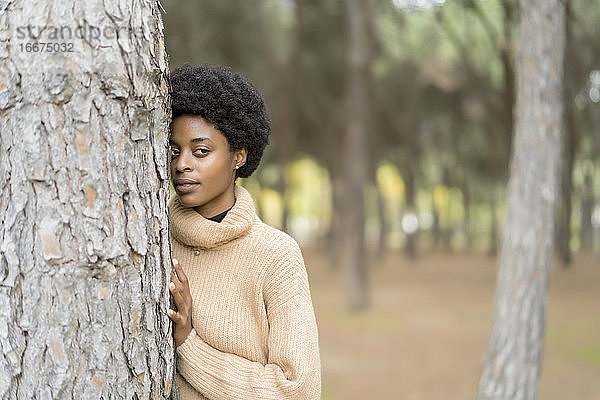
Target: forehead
pixel 189 129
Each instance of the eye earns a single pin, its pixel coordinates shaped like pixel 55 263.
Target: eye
pixel 174 152
pixel 201 151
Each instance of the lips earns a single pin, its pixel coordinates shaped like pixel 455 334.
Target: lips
pixel 184 185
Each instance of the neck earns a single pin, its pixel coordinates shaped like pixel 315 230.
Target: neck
pixel 221 204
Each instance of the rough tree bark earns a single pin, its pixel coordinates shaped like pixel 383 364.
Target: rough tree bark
pixel 513 360
pixel 355 149
pixel 84 244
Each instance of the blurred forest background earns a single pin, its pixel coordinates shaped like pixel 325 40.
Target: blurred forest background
pixel 440 96
pixel 435 96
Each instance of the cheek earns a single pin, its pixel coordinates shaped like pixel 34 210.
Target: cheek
pixel 217 166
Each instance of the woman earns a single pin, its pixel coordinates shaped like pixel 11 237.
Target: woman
pixel 245 326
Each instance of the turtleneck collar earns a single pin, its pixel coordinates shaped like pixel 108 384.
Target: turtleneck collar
pixel 191 229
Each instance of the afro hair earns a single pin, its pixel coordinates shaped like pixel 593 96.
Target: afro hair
pixel 227 100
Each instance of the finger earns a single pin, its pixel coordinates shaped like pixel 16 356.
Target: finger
pixel 178 295
pixel 182 286
pixel 175 317
pixel 175 279
pixel 180 274
pixel 179 288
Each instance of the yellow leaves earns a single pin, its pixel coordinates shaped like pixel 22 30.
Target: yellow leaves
pixel 441 197
pixel 390 182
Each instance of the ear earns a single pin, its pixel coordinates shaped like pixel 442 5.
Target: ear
pixel 239 157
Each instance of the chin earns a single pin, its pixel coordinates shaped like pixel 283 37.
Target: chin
pixel 188 201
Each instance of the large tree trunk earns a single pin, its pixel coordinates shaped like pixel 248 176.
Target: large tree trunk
pixel 84 243
pixel 355 149
pixel 512 364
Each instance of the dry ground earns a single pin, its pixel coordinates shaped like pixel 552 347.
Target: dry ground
pixel 426 333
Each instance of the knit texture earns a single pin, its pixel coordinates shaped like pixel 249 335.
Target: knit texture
pixel 254 332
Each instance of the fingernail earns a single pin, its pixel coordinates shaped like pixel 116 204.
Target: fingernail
pixel 175 261
pixel 172 285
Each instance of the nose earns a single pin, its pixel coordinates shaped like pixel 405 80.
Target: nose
pixel 183 163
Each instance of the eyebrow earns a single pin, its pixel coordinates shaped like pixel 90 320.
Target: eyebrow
pixel 194 140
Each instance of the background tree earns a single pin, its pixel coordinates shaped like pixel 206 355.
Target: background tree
pixel 512 365
pixel 355 151
pixel 84 247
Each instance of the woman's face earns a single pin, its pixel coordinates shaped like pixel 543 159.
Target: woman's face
pixel 202 167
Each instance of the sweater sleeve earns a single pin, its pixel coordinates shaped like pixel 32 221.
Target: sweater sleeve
pixel 293 370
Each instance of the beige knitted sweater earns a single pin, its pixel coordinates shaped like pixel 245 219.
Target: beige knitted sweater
pixel 254 330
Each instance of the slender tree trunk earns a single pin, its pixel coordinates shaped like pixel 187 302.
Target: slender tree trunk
pixel 587 203
pixel 383 225
pixel 336 224
pixel 286 139
pixel 446 227
pixel 493 244
pixel 282 188
pixel 447 230
pixel 285 122
pixel 563 236
pixel 514 355
pixel 437 232
pixel 587 206
pixel 508 63
pixel 467 219
pixel 84 243
pixel 594 115
pixel 355 143
pixel 258 203
pixel 411 238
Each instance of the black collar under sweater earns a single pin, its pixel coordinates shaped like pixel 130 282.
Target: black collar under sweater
pixel 219 217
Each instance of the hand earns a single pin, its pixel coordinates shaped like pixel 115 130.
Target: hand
pixel 182 319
